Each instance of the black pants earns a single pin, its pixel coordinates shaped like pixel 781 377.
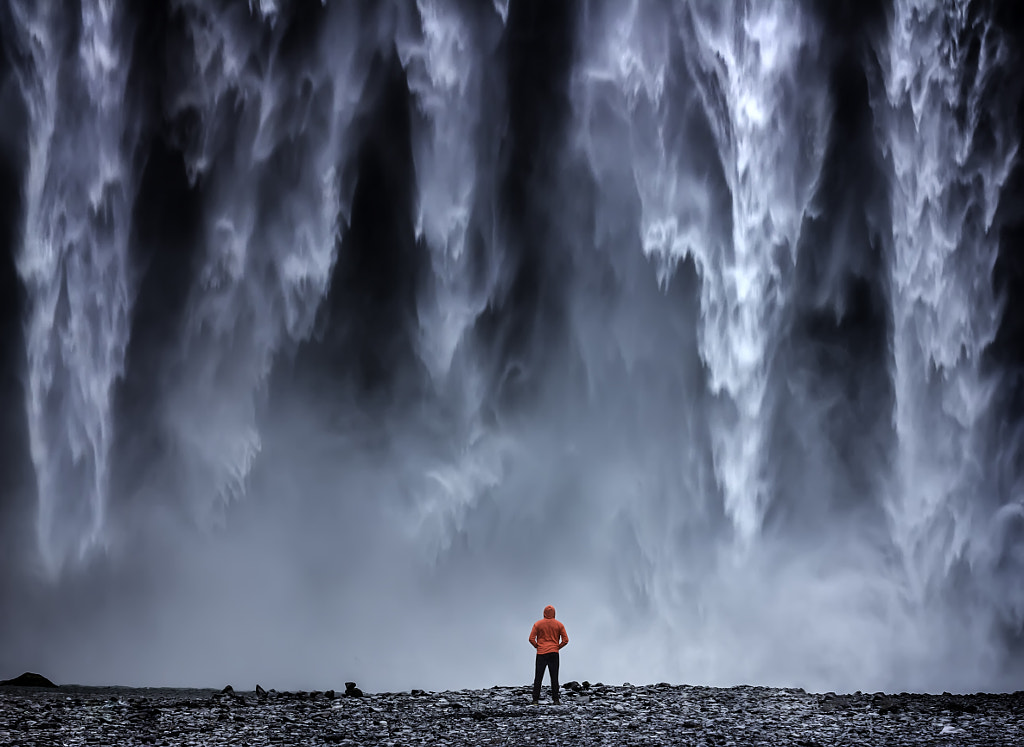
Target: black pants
pixel 549 661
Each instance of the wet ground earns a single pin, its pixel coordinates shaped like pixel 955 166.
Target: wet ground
pixel 597 715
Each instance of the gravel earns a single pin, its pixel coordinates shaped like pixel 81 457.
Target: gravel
pixel 588 715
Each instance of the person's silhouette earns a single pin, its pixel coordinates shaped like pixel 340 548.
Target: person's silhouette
pixel 548 636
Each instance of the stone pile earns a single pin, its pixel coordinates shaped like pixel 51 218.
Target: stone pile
pixel 589 715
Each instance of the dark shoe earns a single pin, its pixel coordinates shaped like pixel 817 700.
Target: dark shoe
pixel 535 702
pixel 556 700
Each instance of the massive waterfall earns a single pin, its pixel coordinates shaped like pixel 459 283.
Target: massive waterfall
pixel 341 337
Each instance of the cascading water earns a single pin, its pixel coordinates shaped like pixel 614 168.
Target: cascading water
pixel 951 154
pixel 74 259
pixel 744 62
pixel 268 252
pixel 677 314
pixel 443 56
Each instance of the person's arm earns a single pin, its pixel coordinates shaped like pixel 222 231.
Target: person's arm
pixel 564 638
pixel 533 636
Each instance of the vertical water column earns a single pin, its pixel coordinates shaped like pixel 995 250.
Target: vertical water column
pixel 448 53
pixel 643 142
pixel 74 263
pixel 443 60
pixel 948 168
pixel 759 80
pixel 267 150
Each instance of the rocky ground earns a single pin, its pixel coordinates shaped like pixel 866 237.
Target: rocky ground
pixel 592 715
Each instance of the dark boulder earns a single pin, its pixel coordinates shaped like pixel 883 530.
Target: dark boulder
pixel 352 691
pixel 260 692
pixel 28 679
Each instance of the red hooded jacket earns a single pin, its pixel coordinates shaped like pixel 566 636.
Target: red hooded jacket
pixel 548 635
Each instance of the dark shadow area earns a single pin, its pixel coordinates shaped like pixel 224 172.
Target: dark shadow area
pixel 17 482
pixel 835 351
pixel 366 326
pixel 849 24
pixel 524 323
pixel 165 225
pixel 1006 354
pixel 165 238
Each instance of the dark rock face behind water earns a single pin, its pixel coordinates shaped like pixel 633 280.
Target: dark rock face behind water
pixel 600 715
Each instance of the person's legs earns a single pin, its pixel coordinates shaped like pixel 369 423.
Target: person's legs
pixel 553 668
pixel 538 676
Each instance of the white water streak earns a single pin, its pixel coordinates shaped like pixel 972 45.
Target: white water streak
pixel 444 58
pixel 757 72
pixel 753 69
pixel 501 8
pixel 944 196
pixel 269 237
pixel 74 260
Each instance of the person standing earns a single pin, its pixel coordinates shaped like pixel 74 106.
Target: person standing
pixel 548 636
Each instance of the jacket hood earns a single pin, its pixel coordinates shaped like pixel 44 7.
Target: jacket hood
pixel 549 612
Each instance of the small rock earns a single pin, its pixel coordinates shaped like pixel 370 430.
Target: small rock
pixel 260 692
pixel 329 694
pixel 228 690
pixel 352 691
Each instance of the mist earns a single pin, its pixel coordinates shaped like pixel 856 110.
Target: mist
pixel 338 339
